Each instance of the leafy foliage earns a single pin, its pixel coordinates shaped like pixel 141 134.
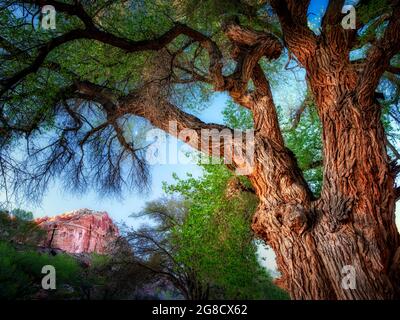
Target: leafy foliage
pixel 19 229
pixel 20 271
pixel 215 239
pixel 22 214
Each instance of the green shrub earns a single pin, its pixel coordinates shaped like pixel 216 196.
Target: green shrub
pixel 20 271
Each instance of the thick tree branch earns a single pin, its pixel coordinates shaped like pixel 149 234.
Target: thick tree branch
pixel 246 37
pixel 264 110
pixel 8 83
pixel 298 37
pixel 378 59
pixel 213 139
pixel 333 34
pixel 94 33
pixel 186 127
pixel 333 14
pixel 299 112
pixel 249 47
pixel 105 96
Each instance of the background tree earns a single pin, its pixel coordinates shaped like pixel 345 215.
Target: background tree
pixel 22 214
pixel 76 93
pixel 216 238
pixel 202 242
pixel 155 248
pixel 19 230
pixel 21 273
pixel 110 277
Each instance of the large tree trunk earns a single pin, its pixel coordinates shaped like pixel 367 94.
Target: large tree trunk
pixel 351 224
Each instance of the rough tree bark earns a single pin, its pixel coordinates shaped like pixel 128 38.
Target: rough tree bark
pixel 353 222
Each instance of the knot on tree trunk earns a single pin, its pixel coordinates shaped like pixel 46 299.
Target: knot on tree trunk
pixel 294 218
pixel 339 208
pixel 284 218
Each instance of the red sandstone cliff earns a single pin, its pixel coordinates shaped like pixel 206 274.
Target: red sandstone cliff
pixel 79 231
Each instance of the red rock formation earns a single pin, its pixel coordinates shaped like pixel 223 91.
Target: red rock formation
pixel 79 231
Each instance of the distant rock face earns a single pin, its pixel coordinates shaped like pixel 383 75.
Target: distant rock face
pixel 79 231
